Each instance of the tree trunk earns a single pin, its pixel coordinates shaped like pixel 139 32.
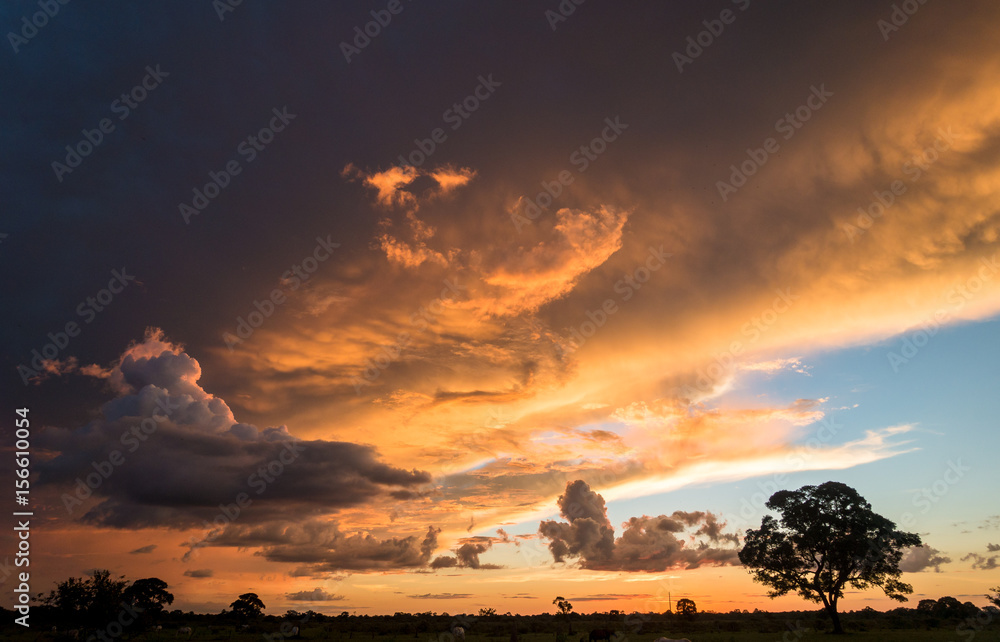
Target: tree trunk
pixel 835 617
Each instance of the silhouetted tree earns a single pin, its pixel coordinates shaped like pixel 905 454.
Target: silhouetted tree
pixel 92 602
pixel 565 608
pixel 926 606
pixel 686 607
pixel 247 606
pixel 827 538
pixel 949 607
pixel 149 595
pixel 994 599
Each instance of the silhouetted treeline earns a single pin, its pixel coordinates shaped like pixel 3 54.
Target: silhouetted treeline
pixel 945 613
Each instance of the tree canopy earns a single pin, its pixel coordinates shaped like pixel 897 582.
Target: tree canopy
pixel 149 593
pixel 827 538
pixel 97 600
pixel 565 608
pixel 247 606
pixel 994 599
pixel 686 607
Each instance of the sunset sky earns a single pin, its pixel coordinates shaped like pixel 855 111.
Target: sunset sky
pixel 370 322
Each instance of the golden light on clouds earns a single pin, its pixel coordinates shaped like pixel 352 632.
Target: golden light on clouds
pixel 714 296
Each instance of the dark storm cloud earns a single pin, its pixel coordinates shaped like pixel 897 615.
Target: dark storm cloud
pixel 323 546
pixel 646 543
pixel 167 453
pixel 557 88
pixel 308 571
pixel 120 205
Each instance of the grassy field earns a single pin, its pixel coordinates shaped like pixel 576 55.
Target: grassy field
pixel 322 631
pixel 873 636
pixel 317 634
pixel 887 636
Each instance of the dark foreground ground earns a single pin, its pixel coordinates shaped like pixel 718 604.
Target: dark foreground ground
pixel 917 625
pixel 987 635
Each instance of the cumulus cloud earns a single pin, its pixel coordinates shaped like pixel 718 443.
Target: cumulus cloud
pixel 982 562
pixel 181 454
pixel 315 595
pixel 921 558
pixel 324 546
pixel 588 534
pixel 467 554
pixel 646 544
